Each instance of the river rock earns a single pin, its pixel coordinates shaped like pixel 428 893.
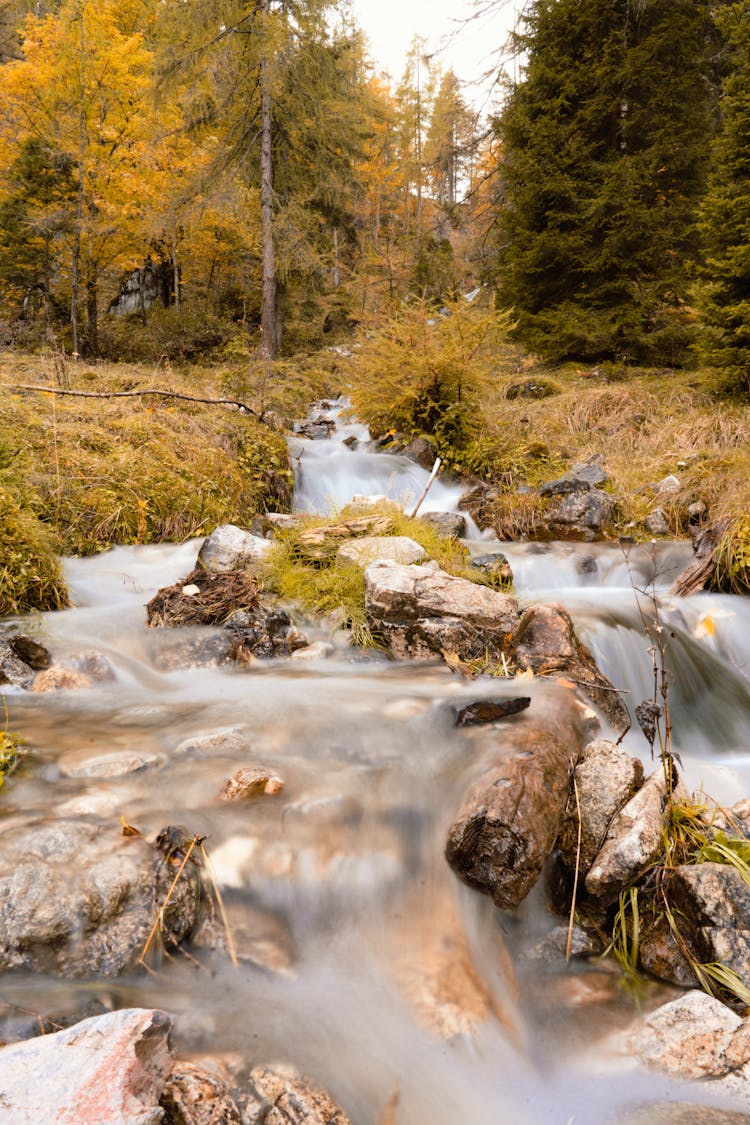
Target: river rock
pixel 118 763
pixel 195 1096
pixel 495 566
pixel 581 514
pixel 318 650
pixel 108 1070
pixel 257 937
pixel 78 898
pixel 13 670
pixel 695 1036
pixel 399 548
pixel 546 643
pixel 422 611
pixel 713 901
pixel 479 502
pixel 263 632
pixel 606 778
pixel 450 524
pixel 230 548
pixel 656 522
pixel 633 841
pixel 511 815
pixel 252 781
pixel 28 650
pixel 422 451
pixel 285 1097
pixel 60 678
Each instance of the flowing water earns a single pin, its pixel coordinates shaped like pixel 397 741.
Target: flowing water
pixel 338 887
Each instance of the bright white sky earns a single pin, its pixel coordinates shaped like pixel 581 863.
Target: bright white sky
pixel 468 48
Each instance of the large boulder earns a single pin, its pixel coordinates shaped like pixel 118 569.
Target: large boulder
pixel 422 611
pixel 78 898
pixel 545 643
pixel 109 1070
pixel 230 548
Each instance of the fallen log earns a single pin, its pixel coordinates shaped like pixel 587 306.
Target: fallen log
pixel 511 816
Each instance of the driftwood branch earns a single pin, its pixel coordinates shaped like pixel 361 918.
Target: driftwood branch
pixel 241 406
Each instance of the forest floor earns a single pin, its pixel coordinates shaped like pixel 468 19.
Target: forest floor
pixel 80 474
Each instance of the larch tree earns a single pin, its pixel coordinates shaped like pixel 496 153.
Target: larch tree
pixel 724 291
pixel 605 145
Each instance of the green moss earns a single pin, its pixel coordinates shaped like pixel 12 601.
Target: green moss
pixel 333 587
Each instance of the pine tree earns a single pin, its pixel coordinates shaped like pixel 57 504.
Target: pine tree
pixel 725 214
pixel 450 142
pixel 605 147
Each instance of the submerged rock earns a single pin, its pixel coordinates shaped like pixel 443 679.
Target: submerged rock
pixel 195 1096
pixel 78 898
pixel 60 678
pixel 285 1097
pixel 252 781
pixel 108 1070
pixel 230 548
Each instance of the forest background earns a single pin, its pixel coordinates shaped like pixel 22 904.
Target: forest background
pixel 229 192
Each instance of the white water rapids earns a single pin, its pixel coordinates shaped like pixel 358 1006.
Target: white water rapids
pixel 357 900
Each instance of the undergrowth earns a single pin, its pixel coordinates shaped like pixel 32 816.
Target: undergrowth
pixel 78 475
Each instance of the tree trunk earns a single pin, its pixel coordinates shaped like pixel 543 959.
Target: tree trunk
pixel 268 322
pixel 92 313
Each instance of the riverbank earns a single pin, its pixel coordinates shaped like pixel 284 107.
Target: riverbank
pixel 80 474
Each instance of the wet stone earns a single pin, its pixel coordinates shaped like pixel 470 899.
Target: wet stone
pixel 78 898
pixel 59 678
pixel 116 764
pixel 251 781
pixel 285 1097
pixel 31 652
pixel 195 1096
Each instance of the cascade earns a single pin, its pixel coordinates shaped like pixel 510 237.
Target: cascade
pixel 350 901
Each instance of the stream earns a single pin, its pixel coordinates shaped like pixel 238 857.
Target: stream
pixel 343 875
